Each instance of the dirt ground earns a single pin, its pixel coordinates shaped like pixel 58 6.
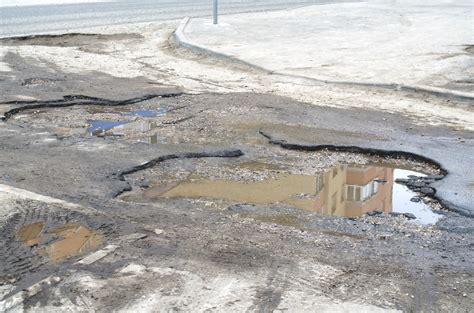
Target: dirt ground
pixel 59 179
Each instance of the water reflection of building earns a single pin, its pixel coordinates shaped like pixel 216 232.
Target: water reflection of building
pixel 135 127
pixel 120 128
pixel 352 190
pixel 152 140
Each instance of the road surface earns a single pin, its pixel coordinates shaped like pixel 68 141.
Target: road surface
pixel 17 19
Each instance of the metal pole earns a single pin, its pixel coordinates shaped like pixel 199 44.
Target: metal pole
pixel 215 12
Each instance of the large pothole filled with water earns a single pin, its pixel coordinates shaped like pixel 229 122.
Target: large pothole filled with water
pixel 342 190
pixel 146 122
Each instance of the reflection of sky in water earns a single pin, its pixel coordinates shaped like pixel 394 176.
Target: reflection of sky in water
pixel 99 126
pixel 111 128
pixel 402 204
pixel 147 113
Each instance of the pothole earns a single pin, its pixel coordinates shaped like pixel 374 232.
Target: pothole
pixel 344 190
pixel 42 236
pixel 107 118
pixel 61 242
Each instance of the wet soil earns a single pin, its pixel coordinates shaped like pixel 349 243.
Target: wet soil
pixel 240 250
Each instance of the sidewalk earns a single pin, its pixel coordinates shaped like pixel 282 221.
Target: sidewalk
pixel 379 42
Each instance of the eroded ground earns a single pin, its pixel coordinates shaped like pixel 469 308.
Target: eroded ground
pixel 152 210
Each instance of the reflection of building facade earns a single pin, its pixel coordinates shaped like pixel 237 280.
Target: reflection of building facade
pixel 120 128
pixel 352 191
pixel 152 140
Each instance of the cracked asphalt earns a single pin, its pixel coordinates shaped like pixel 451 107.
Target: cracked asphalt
pixel 218 255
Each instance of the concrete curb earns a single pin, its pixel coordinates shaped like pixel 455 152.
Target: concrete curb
pixel 182 41
pixel 443 92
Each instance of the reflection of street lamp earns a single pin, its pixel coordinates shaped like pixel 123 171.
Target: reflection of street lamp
pixel 215 12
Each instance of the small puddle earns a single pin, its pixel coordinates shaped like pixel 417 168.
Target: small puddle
pixel 345 190
pixel 61 242
pixel 106 128
pixel 102 128
pixel 29 234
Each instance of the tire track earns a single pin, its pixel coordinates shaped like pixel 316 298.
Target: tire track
pixel 18 259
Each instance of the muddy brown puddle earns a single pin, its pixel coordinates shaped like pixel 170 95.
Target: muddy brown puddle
pixel 61 242
pixel 344 190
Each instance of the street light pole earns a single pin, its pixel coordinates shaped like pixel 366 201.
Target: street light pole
pixel 215 12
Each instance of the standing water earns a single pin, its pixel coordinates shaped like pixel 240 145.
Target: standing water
pixel 344 190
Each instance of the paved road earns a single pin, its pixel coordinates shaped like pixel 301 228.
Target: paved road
pixel 38 19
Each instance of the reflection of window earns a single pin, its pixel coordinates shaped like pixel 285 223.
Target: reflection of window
pixel 334 172
pixel 361 193
pixel 376 185
pixel 333 202
pixel 319 182
pixel 350 193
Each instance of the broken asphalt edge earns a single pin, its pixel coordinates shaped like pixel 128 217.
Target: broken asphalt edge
pixel 73 100
pixel 184 42
pixel 230 153
pixel 374 152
